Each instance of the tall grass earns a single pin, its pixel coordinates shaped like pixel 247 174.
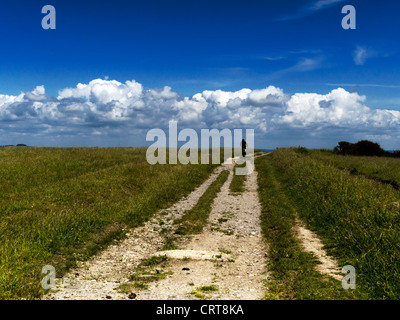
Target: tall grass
pixel 293 271
pixel 357 218
pixel 384 169
pixel 62 205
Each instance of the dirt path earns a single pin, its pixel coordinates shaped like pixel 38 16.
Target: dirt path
pixel 99 277
pixel 226 261
pixel 229 255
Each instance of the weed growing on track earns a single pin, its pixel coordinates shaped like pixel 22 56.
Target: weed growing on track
pixel 148 271
pixel 194 220
pixel 237 185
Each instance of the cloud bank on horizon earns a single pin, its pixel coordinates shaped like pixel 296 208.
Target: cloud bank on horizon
pixel 106 109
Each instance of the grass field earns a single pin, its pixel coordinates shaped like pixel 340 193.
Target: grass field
pixel 293 272
pixel 63 205
pixel 357 218
pixel 59 206
pixel 384 169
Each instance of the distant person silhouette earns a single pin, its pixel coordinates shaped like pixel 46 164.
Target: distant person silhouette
pixel 243 144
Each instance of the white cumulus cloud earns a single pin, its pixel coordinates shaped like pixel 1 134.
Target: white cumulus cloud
pixel 112 108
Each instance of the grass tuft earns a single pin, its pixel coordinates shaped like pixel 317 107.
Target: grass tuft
pixel 237 185
pixel 194 220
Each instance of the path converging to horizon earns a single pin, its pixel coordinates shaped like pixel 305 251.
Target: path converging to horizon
pixel 227 260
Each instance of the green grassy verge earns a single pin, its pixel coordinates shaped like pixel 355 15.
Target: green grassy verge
pixel 358 219
pixel 73 202
pixel 293 273
pixel 196 218
pixel 24 168
pixel 383 169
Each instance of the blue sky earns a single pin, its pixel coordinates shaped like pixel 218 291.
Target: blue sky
pixel 195 46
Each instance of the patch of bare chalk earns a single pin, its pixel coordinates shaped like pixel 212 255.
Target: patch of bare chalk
pixel 313 244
